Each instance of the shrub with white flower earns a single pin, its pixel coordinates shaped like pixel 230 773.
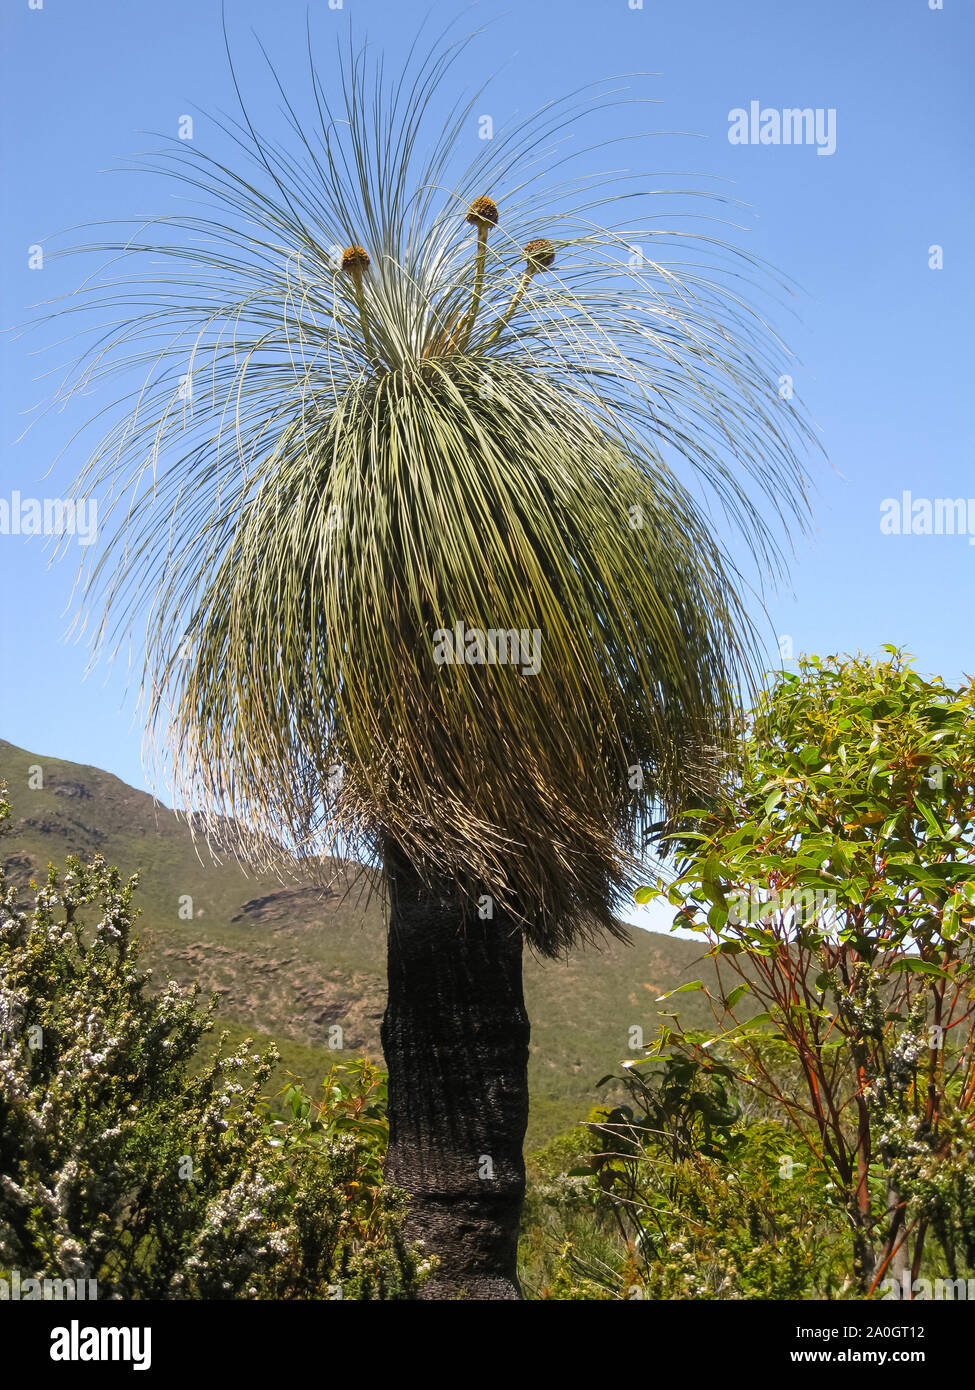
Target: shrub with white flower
pixel 122 1161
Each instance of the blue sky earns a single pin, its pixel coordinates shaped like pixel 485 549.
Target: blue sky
pixel 882 339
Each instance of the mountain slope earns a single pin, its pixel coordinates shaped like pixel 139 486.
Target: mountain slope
pixel 292 962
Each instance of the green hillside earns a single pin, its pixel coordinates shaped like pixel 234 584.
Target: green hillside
pixel 288 961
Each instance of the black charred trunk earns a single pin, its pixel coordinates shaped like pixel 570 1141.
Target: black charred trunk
pixel 455 1038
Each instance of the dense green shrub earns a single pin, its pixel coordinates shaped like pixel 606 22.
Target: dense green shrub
pixel 817 1139
pixel 833 879
pixel 673 1195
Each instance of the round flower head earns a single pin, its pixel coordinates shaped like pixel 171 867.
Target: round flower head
pixel 355 259
pixel 540 255
pixel 483 212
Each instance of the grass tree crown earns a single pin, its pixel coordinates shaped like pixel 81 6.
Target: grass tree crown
pixel 338 459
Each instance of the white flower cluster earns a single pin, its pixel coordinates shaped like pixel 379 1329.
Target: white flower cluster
pixel 115 1146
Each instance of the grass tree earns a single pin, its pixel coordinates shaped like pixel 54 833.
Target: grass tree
pixel 428 494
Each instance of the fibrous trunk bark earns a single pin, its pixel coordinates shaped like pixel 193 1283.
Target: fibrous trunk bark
pixel 455 1038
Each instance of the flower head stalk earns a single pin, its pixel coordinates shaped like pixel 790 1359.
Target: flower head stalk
pixel 482 215
pixel 539 255
pixel 355 263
